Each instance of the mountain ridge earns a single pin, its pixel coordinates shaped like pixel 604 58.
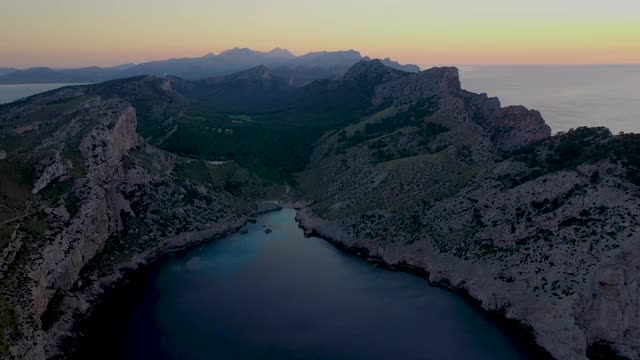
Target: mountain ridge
pixel 310 66
pixel 100 179
pixel 485 201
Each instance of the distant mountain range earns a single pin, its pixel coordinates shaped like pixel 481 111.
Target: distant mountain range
pixel 300 69
pixel 4 71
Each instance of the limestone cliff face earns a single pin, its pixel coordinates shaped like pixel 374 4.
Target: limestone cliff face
pixel 509 127
pixel 515 126
pixel 101 148
pixel 484 200
pixel 443 81
pixel 92 199
pixel 52 170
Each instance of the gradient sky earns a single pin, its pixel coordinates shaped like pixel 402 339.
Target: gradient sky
pixel 426 32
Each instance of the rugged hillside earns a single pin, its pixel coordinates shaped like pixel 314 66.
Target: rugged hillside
pixel 541 229
pixel 406 167
pixel 84 198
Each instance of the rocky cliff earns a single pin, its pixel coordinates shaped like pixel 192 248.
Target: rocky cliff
pixel 411 170
pixel 84 198
pixel 541 229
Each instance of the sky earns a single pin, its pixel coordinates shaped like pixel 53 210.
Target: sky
pixel 72 33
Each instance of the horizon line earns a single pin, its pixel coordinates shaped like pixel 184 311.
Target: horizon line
pixel 421 66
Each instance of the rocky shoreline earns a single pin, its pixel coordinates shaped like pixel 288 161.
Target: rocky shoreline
pixel 103 289
pixel 476 197
pixel 523 333
pixel 541 228
pixel 65 331
pixel 109 289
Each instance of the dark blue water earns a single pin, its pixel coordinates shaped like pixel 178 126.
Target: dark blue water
pixel 284 296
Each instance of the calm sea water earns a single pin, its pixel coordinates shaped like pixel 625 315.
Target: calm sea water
pixel 567 96
pixel 283 296
pixel 9 93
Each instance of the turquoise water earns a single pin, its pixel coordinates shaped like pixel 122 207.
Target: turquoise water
pixel 284 296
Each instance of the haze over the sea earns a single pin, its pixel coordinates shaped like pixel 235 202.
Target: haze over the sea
pixel 72 33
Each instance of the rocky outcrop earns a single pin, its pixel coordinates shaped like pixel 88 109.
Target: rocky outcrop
pixel 542 230
pixel 53 169
pixel 509 127
pixel 566 269
pixel 516 126
pixel 101 202
pixel 373 71
pixel 433 82
pixel 420 174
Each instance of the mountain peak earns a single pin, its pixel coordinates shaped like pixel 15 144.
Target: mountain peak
pixel 280 52
pixel 364 65
pixel 404 67
pixel 237 51
pixel 259 72
pixel 370 69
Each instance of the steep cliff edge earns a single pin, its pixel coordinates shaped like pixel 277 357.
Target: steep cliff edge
pixel 541 229
pixel 84 199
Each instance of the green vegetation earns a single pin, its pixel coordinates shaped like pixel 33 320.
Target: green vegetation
pixel 64 100
pixel 274 144
pixel 431 130
pixel 15 185
pixel 8 322
pixel 584 145
pixel 413 116
pixel 194 170
pixel 72 203
pixel 71 152
pixel 228 176
pixel 242 117
pixel 262 124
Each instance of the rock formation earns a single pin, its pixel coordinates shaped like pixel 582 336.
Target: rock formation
pixel 87 200
pixel 541 229
pixel 406 167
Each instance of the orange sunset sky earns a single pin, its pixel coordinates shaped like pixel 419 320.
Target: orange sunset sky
pixel 71 33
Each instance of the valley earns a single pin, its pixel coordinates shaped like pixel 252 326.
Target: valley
pixel 99 180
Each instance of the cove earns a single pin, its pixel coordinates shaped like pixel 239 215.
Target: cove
pixel 280 295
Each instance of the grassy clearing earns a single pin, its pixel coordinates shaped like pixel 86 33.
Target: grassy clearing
pixel 273 148
pixel 242 118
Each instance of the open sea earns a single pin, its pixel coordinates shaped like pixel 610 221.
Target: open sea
pixel 568 96
pixel 9 93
